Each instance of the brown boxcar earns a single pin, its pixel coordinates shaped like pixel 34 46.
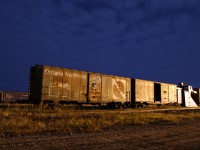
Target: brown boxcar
pixel 57 85
pixel 105 89
pixel 165 93
pixel 142 92
pixel 14 97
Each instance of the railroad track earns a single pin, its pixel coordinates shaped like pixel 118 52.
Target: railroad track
pixel 28 109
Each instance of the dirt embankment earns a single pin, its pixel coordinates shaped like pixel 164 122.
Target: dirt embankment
pixel 185 135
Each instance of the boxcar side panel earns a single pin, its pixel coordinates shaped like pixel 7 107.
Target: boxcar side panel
pixel 64 84
pixel 58 84
pixel 105 92
pixel 151 91
pixel 179 95
pixel 52 83
pixel 164 93
pixel 172 93
pixel 115 89
pixel 95 88
pixel 119 89
pixel 144 91
pixel 78 86
pixel 83 86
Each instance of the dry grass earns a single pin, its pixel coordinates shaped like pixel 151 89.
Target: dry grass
pixel 18 120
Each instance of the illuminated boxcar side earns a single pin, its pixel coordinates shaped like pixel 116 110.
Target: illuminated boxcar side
pixel 95 88
pixel 142 92
pixel 57 85
pixel 173 94
pixel 108 88
pixel 179 95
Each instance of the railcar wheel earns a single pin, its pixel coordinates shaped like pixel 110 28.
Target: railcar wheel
pixel 48 106
pixel 127 105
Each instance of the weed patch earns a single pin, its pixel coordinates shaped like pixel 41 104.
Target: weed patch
pixel 70 121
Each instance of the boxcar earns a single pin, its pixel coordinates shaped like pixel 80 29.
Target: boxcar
pixel 14 97
pixel 57 85
pixel 142 92
pixel 165 93
pixel 109 89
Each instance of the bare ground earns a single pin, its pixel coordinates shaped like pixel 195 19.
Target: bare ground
pixel 185 135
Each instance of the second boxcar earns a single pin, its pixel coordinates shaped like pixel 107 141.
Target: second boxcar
pixel 109 89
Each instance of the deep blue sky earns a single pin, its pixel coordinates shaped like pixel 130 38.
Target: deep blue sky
pixel 150 39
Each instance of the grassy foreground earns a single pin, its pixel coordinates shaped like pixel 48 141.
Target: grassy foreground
pixel 20 121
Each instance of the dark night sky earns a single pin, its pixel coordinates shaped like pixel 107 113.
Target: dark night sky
pixel 150 39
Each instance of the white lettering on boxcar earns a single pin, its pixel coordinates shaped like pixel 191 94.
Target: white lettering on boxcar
pixel 53 72
pixel 74 75
pixel 65 74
